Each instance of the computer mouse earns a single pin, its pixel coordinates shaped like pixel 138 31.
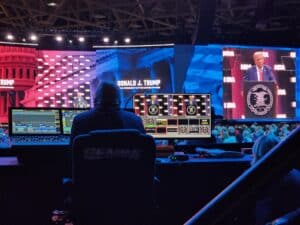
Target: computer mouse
pixel 179 156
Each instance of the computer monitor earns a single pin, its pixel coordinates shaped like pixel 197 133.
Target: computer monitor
pixel 34 121
pixel 175 115
pixel 67 116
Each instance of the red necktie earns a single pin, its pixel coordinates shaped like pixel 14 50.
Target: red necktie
pixel 260 75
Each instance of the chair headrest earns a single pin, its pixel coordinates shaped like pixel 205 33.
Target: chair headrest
pixel 116 131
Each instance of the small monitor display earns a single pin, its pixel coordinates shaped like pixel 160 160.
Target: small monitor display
pixel 175 115
pixel 35 121
pixel 67 116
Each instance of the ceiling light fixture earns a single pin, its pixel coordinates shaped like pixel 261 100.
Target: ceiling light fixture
pixel 105 39
pixel 52 4
pixel 127 40
pixel 59 38
pixel 10 37
pixel 81 39
pixel 33 37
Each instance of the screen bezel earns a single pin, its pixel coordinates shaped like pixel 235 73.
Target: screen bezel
pixel 179 138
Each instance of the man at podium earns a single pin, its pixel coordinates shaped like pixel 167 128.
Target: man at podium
pixel 260 89
pixel 260 71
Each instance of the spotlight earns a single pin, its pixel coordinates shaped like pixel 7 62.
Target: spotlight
pixel 59 38
pixel 116 42
pixel 33 37
pixel 70 41
pixel 24 39
pixel 10 37
pixel 106 39
pixel 81 39
pixel 51 4
pixel 127 40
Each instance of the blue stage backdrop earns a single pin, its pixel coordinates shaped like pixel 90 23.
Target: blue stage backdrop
pixel 198 69
pixel 136 70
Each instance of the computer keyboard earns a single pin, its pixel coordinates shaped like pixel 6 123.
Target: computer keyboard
pixel 40 140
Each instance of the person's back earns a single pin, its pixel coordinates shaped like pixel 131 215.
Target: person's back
pixel 106 113
pixel 104 120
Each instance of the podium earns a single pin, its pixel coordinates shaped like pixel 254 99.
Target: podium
pixel 260 99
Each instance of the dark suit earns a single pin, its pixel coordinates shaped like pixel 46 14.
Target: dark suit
pixel 251 74
pixel 100 119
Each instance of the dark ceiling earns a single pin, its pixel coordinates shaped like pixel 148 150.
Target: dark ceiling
pixel 260 22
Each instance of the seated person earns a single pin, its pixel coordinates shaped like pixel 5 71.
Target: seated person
pixel 283 194
pixel 106 113
pixel 230 137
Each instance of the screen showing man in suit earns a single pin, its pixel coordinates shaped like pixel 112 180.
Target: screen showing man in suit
pixel 259 83
pixel 260 71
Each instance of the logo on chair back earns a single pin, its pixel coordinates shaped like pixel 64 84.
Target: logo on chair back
pixel 260 99
pixel 98 153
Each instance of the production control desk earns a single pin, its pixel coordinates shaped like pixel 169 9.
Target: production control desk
pixel 58 146
pixel 184 187
pixel 193 159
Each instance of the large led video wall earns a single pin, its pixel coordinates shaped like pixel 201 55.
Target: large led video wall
pixel 136 70
pixel 247 95
pixel 39 78
pixel 198 69
pixel 35 78
pixel 63 79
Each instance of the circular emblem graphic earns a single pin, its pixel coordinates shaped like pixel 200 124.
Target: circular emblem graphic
pixel 153 110
pixel 260 99
pixel 191 110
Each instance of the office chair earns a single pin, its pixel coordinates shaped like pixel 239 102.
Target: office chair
pixel 113 173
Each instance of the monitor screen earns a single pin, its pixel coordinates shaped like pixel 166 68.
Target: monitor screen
pixel 34 121
pixel 259 83
pixel 67 116
pixel 175 115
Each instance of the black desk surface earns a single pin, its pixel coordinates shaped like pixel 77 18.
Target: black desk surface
pixel 193 183
pixel 193 159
